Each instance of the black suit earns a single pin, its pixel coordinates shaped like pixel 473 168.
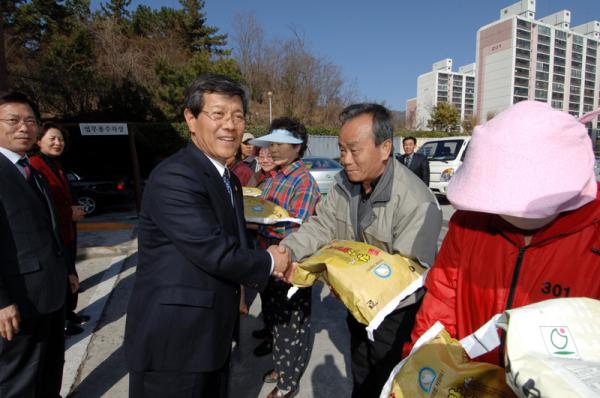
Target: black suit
pixel 418 165
pixel 192 259
pixel 33 275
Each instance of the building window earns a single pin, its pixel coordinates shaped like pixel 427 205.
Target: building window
pixel 577 39
pixel 542 76
pixel 518 99
pixel 556 104
pixel 542 48
pixel 523 24
pixel 521 91
pixel 559 69
pixel 544 30
pixel 520 53
pixel 521 63
pixel 543 39
pixel 541 94
pixel 561 44
pixel 543 57
pixel 523 35
pixel 521 82
pixel 523 44
pixel 522 72
pixel 561 34
pixel 542 67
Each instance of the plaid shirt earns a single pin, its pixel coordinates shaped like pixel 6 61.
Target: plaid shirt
pixel 294 189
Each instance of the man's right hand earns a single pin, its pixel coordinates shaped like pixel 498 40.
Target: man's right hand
pixel 9 322
pixel 282 259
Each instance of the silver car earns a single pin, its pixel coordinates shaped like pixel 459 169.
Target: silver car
pixel 323 171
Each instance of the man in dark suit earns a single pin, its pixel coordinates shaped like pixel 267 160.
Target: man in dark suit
pixel 416 162
pixel 193 255
pixel 33 270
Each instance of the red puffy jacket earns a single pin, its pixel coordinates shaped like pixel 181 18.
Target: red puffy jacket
pixel 484 268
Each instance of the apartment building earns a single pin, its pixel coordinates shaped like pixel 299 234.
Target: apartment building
pixel 442 85
pixel 520 57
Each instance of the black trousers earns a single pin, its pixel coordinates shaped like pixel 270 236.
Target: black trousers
pixel 373 361
pixel 71 301
pixel 31 364
pixel 181 385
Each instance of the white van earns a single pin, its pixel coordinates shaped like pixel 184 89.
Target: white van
pixel 445 157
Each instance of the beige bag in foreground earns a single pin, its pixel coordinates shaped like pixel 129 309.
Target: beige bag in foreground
pixel 552 347
pixel 370 282
pixel 262 211
pixel 439 367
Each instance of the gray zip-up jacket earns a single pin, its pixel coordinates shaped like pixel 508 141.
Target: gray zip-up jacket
pixel 402 217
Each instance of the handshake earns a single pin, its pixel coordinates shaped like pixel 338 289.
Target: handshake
pixel 284 266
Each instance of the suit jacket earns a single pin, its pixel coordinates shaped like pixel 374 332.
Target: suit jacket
pixel 192 260
pixel 61 196
pixel 418 165
pixel 33 270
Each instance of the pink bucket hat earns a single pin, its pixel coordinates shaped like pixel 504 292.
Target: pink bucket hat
pixel 529 161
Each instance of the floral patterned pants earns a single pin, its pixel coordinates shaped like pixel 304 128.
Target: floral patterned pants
pixel 292 340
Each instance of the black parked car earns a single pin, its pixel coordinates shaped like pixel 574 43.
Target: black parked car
pixel 95 194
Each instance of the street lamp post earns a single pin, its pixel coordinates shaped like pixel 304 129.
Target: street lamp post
pixel 270 95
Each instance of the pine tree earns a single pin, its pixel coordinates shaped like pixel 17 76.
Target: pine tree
pixel 198 35
pixel 117 9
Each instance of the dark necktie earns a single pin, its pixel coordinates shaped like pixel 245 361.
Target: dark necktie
pixel 24 163
pixel 407 160
pixel 226 176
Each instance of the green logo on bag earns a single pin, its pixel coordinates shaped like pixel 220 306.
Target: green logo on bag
pixel 559 341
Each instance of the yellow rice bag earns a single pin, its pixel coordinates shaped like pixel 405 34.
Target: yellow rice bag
pixel 251 191
pixel 438 366
pixel 262 211
pixel 370 282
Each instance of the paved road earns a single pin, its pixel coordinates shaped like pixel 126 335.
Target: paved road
pixel 95 364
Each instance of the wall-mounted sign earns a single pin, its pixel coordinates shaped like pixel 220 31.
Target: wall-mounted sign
pixel 103 128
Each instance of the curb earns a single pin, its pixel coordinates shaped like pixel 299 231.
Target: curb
pixel 78 352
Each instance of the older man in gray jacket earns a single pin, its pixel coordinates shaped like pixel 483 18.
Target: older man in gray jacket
pixel 378 201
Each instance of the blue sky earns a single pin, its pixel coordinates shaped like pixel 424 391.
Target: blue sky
pixel 381 45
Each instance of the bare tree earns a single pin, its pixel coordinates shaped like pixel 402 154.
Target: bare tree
pixel 303 85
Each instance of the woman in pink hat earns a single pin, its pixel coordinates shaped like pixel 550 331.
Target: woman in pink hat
pixel 527 226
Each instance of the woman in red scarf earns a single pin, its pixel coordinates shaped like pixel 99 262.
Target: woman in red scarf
pixel 51 144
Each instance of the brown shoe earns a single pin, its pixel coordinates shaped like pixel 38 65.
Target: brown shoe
pixel 278 394
pixel 271 376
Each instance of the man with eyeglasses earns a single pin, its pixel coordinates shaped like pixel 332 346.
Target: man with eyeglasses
pixel 193 255
pixel 33 270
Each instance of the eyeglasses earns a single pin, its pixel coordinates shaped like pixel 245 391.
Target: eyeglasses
pixel 13 121
pixel 218 116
